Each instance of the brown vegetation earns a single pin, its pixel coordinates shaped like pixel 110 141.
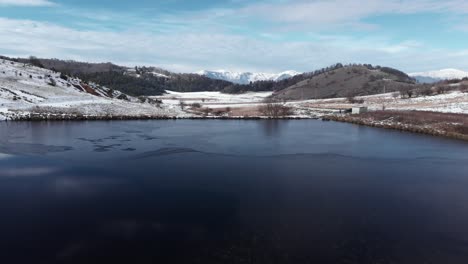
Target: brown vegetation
pixel 432 123
pixel 436 89
pixel 89 90
pixel 196 105
pixel 354 80
pixel 275 109
pixel 464 88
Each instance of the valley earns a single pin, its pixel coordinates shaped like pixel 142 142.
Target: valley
pixel 29 92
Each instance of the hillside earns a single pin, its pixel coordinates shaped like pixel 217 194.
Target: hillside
pixel 346 81
pixel 138 81
pixel 27 89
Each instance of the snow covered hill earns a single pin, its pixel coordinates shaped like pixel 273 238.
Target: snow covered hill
pixel 25 89
pixel 247 77
pixel 435 76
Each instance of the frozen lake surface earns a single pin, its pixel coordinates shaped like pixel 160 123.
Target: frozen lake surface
pixel 216 191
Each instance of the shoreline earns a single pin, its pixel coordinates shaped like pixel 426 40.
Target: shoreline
pixel 53 117
pixel 367 119
pixel 364 120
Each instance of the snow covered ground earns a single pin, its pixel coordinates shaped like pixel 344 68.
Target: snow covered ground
pixel 27 89
pixel 452 102
pixel 214 99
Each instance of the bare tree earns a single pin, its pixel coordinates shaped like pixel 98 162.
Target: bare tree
pixel 425 91
pixel 35 62
pixel 354 100
pixel 274 109
pixel 406 93
pixel 441 89
pixel 182 104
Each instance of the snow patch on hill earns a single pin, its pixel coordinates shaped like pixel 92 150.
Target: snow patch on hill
pixel 247 77
pixel 27 89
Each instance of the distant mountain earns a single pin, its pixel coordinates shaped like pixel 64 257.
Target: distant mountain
pixel 440 75
pixel 344 81
pixel 247 77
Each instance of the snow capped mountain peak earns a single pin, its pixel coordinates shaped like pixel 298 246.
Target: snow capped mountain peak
pixel 439 75
pixel 247 77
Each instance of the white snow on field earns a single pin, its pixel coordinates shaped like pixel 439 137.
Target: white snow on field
pixel 25 88
pixel 452 102
pixel 214 99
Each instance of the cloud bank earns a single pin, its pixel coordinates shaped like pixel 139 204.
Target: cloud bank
pixel 267 36
pixel 32 3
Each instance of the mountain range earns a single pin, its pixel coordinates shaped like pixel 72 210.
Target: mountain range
pixel 251 77
pixel 438 75
pixel 247 77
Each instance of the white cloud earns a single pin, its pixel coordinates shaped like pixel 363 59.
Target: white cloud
pixel 195 51
pixel 34 3
pixel 332 13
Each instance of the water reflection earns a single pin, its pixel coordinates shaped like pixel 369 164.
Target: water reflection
pixel 273 127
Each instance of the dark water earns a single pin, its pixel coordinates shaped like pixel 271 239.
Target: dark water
pixel 230 192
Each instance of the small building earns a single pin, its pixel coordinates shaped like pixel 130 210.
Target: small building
pixel 359 110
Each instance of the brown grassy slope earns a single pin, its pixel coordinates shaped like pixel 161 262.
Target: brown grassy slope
pixel 344 82
pixel 432 123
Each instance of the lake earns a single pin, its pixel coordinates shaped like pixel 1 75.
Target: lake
pixel 209 191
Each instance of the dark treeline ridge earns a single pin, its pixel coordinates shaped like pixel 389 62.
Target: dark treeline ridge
pixel 148 84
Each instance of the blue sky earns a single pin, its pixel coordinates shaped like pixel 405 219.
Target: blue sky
pixel 241 35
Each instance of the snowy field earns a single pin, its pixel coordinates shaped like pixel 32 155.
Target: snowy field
pixel 451 102
pixel 214 99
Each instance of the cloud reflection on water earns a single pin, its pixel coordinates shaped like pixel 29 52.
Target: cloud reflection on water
pixel 27 172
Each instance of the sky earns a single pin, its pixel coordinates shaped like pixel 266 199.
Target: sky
pixel 240 35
